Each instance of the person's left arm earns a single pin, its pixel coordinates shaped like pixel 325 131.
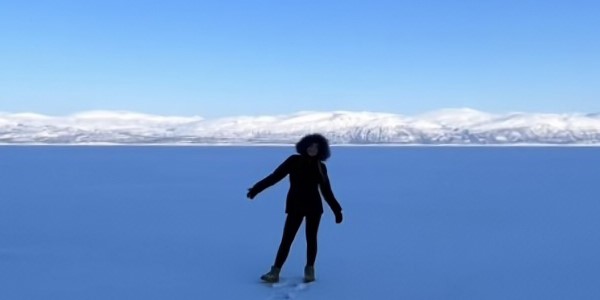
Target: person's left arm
pixel 325 186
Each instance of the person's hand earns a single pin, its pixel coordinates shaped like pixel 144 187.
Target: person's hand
pixel 338 217
pixel 251 193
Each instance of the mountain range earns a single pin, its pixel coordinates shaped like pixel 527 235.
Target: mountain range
pixel 443 127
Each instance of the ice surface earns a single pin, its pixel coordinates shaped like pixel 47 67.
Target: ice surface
pixel 420 223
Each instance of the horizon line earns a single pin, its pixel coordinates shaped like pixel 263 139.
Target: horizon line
pixel 298 112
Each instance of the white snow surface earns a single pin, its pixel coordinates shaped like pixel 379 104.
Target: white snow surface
pixel 448 126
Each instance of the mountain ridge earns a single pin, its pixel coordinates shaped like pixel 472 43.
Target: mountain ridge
pixel 461 126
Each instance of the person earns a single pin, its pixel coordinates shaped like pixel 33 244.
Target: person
pixel 307 174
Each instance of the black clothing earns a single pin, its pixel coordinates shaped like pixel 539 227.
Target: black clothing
pixel 308 180
pixel 292 224
pixel 307 176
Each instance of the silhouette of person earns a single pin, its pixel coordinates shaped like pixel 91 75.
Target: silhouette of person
pixel 307 175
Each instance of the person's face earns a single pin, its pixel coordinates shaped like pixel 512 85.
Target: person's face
pixel 312 150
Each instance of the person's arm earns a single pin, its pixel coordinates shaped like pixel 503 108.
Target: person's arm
pixel 325 186
pixel 280 172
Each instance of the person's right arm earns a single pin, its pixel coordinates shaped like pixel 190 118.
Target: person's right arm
pixel 280 172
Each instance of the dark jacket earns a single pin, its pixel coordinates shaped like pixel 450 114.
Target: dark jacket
pixel 307 176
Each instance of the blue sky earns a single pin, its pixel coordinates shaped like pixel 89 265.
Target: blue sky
pixel 225 58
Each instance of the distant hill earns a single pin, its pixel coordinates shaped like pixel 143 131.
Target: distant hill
pixel 448 126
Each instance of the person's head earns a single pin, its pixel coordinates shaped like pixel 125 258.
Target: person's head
pixel 314 145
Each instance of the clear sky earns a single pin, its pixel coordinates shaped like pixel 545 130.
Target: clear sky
pixel 226 58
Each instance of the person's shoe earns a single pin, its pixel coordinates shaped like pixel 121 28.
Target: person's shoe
pixel 272 276
pixel 309 274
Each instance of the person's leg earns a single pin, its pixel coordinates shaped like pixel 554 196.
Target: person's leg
pixel 312 229
pixel 292 224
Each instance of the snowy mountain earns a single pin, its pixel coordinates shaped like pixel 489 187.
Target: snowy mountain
pixel 449 126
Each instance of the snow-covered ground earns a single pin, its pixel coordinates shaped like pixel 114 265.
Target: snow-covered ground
pixel 448 126
pixel 420 223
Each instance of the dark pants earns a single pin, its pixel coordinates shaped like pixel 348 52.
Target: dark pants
pixel 292 224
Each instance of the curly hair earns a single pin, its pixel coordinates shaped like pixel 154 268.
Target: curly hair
pixel 321 141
